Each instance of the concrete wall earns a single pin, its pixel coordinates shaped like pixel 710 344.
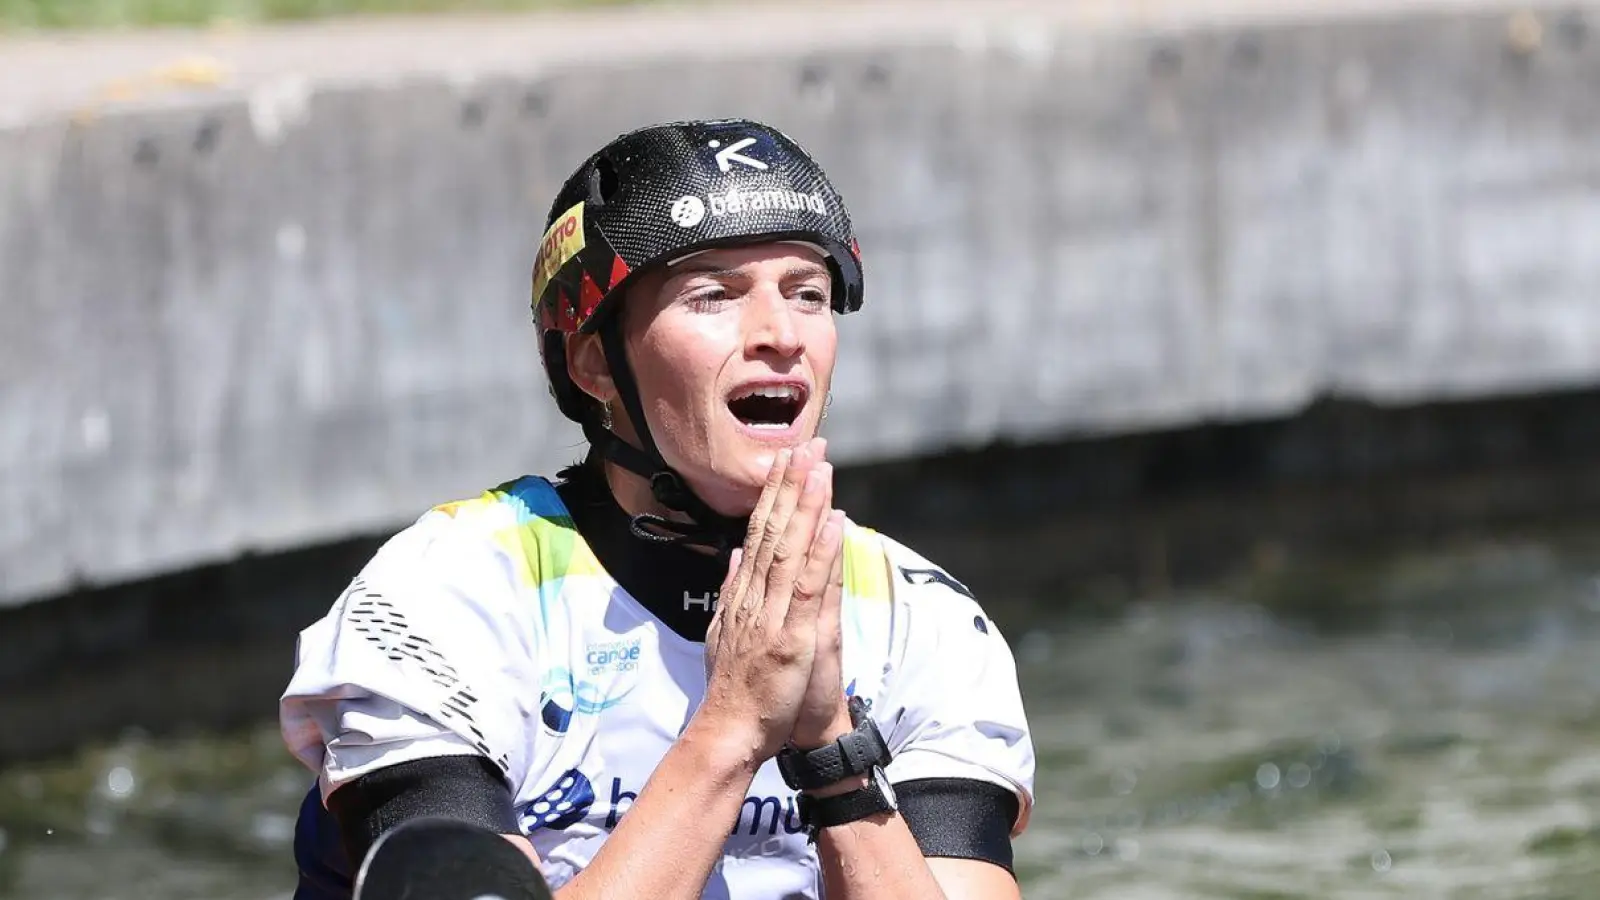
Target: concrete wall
pixel 289 310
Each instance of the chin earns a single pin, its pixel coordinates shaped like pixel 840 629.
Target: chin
pixel 744 457
pixel 731 494
pixel 733 487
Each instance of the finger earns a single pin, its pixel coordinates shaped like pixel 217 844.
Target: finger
pixel 724 594
pixel 733 583
pixel 812 585
pixel 755 530
pixel 714 631
pixel 784 505
pixel 733 588
pixel 734 560
pixel 830 638
pixel 795 549
pixel 768 506
pixel 827 505
pixel 769 496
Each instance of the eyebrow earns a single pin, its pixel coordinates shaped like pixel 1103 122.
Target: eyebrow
pixel 804 270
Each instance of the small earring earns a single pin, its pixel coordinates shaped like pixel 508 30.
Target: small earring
pixel 827 401
pixel 605 415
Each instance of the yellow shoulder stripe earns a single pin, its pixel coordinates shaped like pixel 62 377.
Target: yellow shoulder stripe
pixel 866 567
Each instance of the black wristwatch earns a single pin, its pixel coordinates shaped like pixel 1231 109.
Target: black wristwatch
pixel 861 752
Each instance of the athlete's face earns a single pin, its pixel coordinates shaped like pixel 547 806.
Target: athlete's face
pixel 733 351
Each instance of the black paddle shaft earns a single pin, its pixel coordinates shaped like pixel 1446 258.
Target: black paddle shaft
pixel 440 859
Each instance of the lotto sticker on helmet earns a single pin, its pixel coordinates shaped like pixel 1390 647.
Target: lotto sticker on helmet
pixel 560 244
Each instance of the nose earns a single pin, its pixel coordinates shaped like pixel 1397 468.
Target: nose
pixel 770 325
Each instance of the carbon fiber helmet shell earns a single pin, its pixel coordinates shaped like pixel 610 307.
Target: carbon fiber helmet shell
pixel 663 192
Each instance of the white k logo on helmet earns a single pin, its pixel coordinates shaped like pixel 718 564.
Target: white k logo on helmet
pixel 730 154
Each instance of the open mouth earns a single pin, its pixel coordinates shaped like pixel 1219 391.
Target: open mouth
pixel 773 407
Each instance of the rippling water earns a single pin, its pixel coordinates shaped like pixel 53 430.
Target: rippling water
pixel 1421 727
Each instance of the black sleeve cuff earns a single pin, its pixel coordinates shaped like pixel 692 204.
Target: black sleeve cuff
pixel 466 788
pixel 960 817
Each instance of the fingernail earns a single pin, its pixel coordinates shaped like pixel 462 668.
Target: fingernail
pixel 813 481
pixel 830 532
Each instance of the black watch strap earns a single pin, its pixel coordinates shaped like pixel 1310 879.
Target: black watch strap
pixel 853 754
pixel 817 813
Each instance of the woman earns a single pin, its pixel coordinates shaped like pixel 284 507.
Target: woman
pixel 676 670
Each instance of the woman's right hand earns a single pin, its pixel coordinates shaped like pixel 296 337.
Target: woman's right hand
pixel 762 640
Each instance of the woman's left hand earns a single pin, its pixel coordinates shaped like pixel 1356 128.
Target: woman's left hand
pixel 824 717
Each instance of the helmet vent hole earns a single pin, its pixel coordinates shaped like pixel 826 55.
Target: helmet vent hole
pixel 602 181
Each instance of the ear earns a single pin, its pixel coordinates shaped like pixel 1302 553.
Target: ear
pixel 586 364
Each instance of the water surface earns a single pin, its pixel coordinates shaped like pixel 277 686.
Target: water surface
pixel 1424 726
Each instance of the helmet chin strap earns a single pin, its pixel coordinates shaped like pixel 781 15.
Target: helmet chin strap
pixel 708 527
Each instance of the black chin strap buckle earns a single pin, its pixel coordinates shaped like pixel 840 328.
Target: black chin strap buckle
pixel 669 491
pixel 708 529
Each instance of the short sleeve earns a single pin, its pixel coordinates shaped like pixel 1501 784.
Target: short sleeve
pixel 954 706
pixel 427 653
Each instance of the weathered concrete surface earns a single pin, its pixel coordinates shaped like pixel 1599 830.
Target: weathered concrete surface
pixel 290 308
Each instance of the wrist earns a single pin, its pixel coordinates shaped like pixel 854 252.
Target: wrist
pixel 838 728
pixel 724 751
pixel 851 800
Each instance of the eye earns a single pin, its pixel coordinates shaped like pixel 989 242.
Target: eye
pixel 706 299
pixel 810 295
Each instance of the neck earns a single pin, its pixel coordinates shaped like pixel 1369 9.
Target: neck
pixel 633 496
pixel 632 493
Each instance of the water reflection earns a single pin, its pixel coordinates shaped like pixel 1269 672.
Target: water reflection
pixel 120 782
pixel 1267 776
pixel 1300 775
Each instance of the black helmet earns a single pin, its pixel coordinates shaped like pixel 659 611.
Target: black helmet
pixel 655 195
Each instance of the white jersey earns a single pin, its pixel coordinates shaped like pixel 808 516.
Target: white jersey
pixel 488 627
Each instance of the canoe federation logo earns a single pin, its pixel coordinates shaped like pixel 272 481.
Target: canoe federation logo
pixel 562 696
pixel 612 656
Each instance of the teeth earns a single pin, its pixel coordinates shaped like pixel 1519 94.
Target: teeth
pixel 775 392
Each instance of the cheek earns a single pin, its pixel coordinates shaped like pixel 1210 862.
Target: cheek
pixel 822 348
pixel 685 357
